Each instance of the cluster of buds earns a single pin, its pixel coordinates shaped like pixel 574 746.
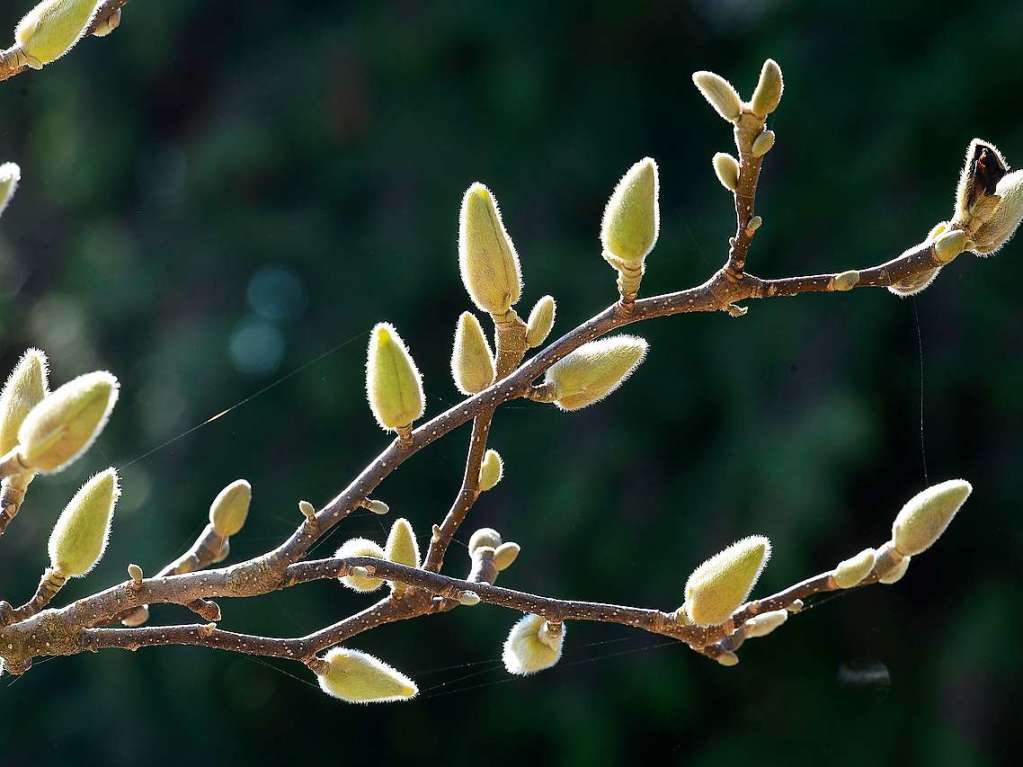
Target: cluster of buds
pixel 401 548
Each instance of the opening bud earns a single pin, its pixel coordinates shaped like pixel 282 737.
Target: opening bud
pixel 394 387
pixel 230 508
pixel 472 361
pixel 989 199
pixel 533 645
pixel 358 677
pixel 80 536
pixel 717 587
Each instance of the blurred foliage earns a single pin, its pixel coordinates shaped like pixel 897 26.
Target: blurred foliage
pixel 222 198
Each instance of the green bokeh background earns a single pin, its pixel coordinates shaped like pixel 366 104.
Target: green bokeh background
pixel 222 191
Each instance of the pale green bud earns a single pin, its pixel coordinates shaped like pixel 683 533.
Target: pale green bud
pixel 540 322
pixel 505 555
pixel 52 28
pixel 377 507
pixel 853 570
pixel 472 361
pixel 594 370
pixel 80 536
pixel 533 645
pixel 63 426
pixel 486 256
pixel 230 508
pixel 491 470
pixel 768 92
pixel 393 384
pixel 10 175
pixel 948 245
pixel 25 388
pixel 717 587
pixel 762 144
pixel 763 624
pixel 357 677
pixel 719 93
pixel 926 515
pixel 402 547
pixel 360 547
pixel 632 216
pixel 484 537
pixel 726 168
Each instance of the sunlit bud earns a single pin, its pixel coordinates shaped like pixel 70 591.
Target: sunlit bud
pixel 949 245
pixel 989 199
pixel 25 388
pixel 717 587
pixel 308 511
pixel 768 92
pixel 377 507
pixel 360 547
pixel 594 370
pixel 224 553
pixel 719 93
pixel 631 220
pixel 853 570
pixel 505 555
pixel 763 624
pixel 402 547
pixel 10 175
pixel 469 598
pixel 533 645
pixel 846 280
pixel 485 536
pixel 895 572
pixel 230 508
pixel 135 573
pixel 540 322
pixel 108 25
pixel 472 361
pixel 486 256
pixel 393 384
pixel 727 169
pixel 796 606
pixel 762 144
pixel 926 515
pixel 63 426
pixel 52 28
pixel 80 535
pixel 727 659
pixel 491 470
pixel 357 677
pixel 754 223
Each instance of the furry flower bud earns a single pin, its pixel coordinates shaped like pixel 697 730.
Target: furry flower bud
pixel 726 168
pixel 762 144
pixel 52 28
pixel 486 256
pixel 926 515
pixel 768 92
pixel 853 570
pixel 80 536
pixel 358 677
pixel 631 220
pixel 540 322
pixel 230 508
pixel 505 555
pixel 402 548
pixel 533 645
pixel 763 624
pixel 484 537
pixel 989 199
pixel 393 384
pixel 948 245
pixel 10 175
pixel 717 587
pixel 472 361
pixel 719 93
pixel 63 426
pixel 360 547
pixel 25 388
pixel 594 370
pixel 491 470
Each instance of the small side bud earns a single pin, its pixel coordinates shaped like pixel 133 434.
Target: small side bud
pixel 853 570
pixel 485 536
pixel 594 370
pixel 846 280
pixel 768 92
pixel 25 388
pixel 754 224
pixel 402 548
pixel 468 598
pixel 486 256
pixel 727 659
pixel 896 573
pixel 927 514
pixel 491 470
pixel 726 168
pixel 394 386
pixel 719 93
pixel 763 624
pixel 230 508
pixel 135 573
pixel 10 175
pixel 949 245
pixel 357 677
pixel 80 536
pixel 472 361
pixel 505 555
pixel 717 587
pixel 360 547
pixel 108 25
pixel 540 322
pixel 762 144
pixel 52 28
pixel 376 507
pixel 62 427
pixel 308 510
pixel 533 645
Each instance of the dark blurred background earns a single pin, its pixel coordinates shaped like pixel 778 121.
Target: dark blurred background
pixel 222 192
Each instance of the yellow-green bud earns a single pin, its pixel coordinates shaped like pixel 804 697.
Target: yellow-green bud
pixel 533 645
pixel 402 547
pixel 540 322
pixel 10 175
pixel 717 587
pixel 360 547
pixel 948 245
pixel 230 508
pixel 486 256
pixel 63 426
pixel 763 624
pixel 108 25
pixel 25 388
pixel 80 536
pixel 52 28
pixel 472 361
pixel 594 370
pixel 853 570
pixel 505 554
pixel 632 216
pixel 393 384
pixel 726 168
pixel 719 93
pixel 491 470
pixel 768 92
pixel 727 659
pixel 762 144
pixel 484 537
pixel 926 515
pixel 357 677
